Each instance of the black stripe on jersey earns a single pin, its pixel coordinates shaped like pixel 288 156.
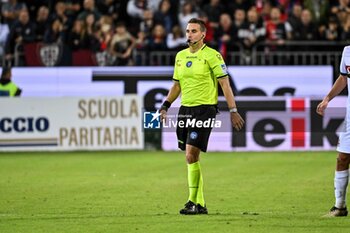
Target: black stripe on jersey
pixel 175 80
pixel 222 76
pixel 204 46
pixel 345 74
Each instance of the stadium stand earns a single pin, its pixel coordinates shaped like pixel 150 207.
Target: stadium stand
pixel 246 32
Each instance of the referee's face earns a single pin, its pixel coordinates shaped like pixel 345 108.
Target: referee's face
pixel 194 33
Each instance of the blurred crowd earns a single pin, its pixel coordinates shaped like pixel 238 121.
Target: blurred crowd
pixel 115 29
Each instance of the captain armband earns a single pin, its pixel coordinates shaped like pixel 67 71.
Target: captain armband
pixel 165 106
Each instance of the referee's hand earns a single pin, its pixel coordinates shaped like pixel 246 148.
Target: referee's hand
pixel 321 107
pixel 163 116
pixel 237 121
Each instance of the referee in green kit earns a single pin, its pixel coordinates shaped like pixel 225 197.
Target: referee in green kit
pixel 198 70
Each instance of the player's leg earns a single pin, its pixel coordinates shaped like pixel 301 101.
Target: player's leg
pixel 198 138
pixel 191 158
pixel 201 208
pixel 196 141
pixel 193 171
pixel 341 178
pixel 194 144
pixel 194 176
pixel 341 175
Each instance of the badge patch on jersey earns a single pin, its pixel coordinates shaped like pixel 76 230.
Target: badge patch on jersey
pixel 219 57
pixel 224 68
pixel 189 64
pixel 347 69
pixel 193 135
pixel 178 63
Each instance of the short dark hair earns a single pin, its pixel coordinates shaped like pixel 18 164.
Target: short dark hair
pixel 200 22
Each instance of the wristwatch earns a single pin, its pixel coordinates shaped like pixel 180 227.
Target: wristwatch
pixel 233 110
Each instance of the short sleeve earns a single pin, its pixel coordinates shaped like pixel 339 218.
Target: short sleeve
pixel 342 67
pixel 176 67
pixel 217 65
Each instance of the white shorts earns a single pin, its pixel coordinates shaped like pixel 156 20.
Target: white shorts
pixel 344 140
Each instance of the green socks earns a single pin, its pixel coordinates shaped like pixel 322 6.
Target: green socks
pixel 200 197
pixel 195 183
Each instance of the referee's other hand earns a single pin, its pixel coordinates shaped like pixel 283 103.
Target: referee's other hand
pixel 237 121
pixel 321 107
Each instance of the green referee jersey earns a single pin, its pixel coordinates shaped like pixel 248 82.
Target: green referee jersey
pixel 8 89
pixel 198 75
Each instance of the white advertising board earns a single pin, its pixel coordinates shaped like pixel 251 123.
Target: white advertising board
pixel 302 81
pixel 71 123
pixel 275 124
pixel 265 129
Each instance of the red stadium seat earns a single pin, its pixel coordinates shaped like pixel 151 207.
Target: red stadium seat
pixel 83 57
pixel 31 55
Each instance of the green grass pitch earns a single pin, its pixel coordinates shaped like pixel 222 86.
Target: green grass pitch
pixel 143 192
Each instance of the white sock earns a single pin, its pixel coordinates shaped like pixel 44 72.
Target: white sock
pixel 340 184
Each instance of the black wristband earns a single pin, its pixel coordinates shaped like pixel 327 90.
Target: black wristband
pixel 165 106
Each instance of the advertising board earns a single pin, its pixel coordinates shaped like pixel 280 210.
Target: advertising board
pixel 71 123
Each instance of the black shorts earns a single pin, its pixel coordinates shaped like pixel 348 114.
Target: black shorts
pixel 188 131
